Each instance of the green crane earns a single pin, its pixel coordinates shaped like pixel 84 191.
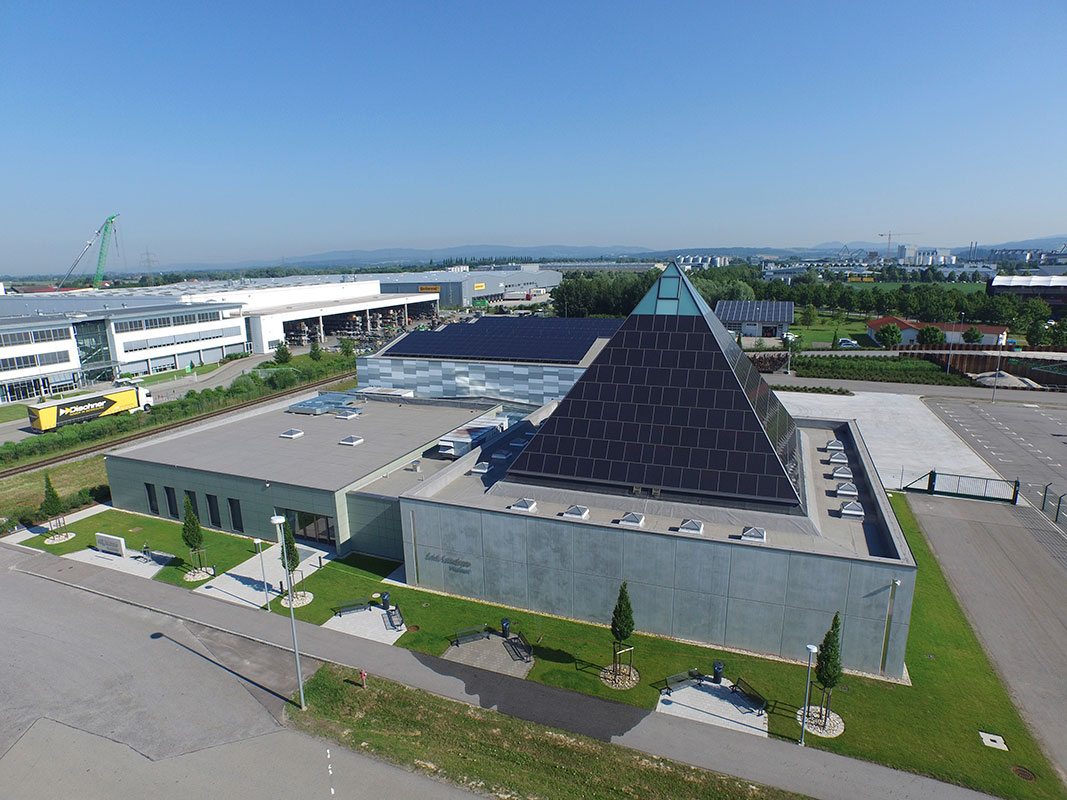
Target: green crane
pixel 103 233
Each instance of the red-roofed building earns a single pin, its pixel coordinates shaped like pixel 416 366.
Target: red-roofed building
pixel 909 330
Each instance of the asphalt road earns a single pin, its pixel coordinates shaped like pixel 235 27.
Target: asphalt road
pixel 105 700
pixel 1024 442
pixel 996 559
pixel 812 772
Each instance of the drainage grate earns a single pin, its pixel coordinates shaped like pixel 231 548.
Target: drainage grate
pixel 1024 773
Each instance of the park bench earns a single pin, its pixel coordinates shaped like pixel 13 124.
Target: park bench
pixel 471 634
pixel 355 605
pixel 679 678
pixel 523 647
pixel 751 694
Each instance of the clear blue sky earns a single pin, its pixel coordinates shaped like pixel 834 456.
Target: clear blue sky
pixel 232 131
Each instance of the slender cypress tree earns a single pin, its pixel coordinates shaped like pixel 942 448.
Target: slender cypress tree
pixel 191 533
pixel 292 555
pixel 622 618
pixel 828 662
pixel 51 506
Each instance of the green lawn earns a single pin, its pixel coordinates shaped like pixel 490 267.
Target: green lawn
pixel 824 327
pixel 890 369
pixel 493 754
pixel 10 412
pixel 223 550
pixel 930 727
pixel 27 488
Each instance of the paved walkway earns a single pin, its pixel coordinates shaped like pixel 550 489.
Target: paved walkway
pixel 776 763
pixel 243 584
pixel 22 534
pixel 370 623
pixel 132 564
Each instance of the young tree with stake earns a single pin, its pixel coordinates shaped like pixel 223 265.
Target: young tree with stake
pixel 828 663
pixel 51 506
pixel 191 533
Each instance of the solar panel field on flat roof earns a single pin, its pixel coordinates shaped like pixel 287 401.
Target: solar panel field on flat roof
pixel 549 340
pixel 738 311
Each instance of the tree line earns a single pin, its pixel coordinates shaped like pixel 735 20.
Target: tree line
pixel 614 294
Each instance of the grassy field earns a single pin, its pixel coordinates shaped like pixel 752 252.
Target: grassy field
pixel 493 754
pixel 177 374
pixel 9 412
pixel 163 536
pixel 27 488
pixel 824 327
pixel 871 368
pixel 930 727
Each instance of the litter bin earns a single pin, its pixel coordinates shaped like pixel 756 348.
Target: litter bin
pixel 717 675
pixel 385 600
pixel 505 627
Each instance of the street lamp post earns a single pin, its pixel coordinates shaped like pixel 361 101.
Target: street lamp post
pixel 812 650
pixel 263 566
pixel 277 521
pixel 996 375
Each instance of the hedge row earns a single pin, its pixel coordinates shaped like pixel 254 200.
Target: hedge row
pixel 243 388
pixel 31 515
pixel 812 389
pixel 874 368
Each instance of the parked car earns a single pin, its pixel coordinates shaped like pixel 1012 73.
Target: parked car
pixel 788 337
pixel 847 344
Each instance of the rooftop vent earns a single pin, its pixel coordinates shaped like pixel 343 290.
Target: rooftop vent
pixel 526 505
pixel 847 490
pixel 517 443
pixel 753 534
pixel 576 512
pixel 838 458
pixel 348 413
pixel 842 473
pixel 835 446
pixel 351 441
pixel 501 455
pixel 691 526
pixel 480 468
pixel 416 466
pixel 852 509
pixel 633 519
pixel 292 433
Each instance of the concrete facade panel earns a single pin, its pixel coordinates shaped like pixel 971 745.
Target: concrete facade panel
pixel 751 625
pixel 862 639
pixel 699 617
pixel 461 531
pixel 820 584
pixel 463 574
pixel 758 573
pixel 653 607
pixel 504 538
pixel 868 591
pixel 548 543
pixel 802 627
pixel 594 597
pixel 550 590
pixel 505 582
pixel 596 551
pixel 702 567
pixel 649 559
pixel 427 520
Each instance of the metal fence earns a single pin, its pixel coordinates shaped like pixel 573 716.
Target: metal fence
pixel 946 483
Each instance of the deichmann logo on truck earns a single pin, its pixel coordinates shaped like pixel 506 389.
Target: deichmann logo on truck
pixel 85 409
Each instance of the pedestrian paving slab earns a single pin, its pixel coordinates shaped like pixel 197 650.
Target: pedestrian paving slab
pixel 494 654
pixel 369 623
pixel 243 584
pixel 131 564
pixel 714 704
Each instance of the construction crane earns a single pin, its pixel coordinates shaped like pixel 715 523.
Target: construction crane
pixel 889 240
pixel 103 233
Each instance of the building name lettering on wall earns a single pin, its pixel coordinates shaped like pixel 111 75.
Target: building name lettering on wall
pixel 454 564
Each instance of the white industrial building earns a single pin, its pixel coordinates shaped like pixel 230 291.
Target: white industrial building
pixel 53 341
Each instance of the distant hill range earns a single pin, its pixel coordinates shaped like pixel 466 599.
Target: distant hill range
pixel 401 256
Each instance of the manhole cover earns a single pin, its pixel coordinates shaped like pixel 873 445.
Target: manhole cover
pixel 929 656
pixel 413 627
pixel 1024 773
pixel 843 688
pixel 425 605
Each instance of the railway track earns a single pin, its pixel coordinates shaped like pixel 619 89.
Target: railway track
pixel 59 458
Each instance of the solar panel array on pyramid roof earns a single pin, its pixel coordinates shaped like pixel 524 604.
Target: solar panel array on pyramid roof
pixel 671 403
pixel 548 340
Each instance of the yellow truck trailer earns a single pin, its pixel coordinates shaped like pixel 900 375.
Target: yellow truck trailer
pixel 49 416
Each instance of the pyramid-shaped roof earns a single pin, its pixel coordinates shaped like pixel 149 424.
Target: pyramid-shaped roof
pixel 671 405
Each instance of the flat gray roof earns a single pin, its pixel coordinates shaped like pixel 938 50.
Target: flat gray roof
pixel 821 530
pixel 252 447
